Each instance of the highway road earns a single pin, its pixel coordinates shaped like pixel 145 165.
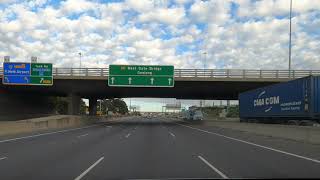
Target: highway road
pixel 156 148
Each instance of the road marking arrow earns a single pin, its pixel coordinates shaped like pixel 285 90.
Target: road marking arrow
pixel 112 80
pixel 152 79
pixel 169 80
pixel 129 79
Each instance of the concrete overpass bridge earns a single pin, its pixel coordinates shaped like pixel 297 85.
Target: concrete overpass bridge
pixel 92 83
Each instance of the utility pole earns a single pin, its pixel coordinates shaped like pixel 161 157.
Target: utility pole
pixel 290 39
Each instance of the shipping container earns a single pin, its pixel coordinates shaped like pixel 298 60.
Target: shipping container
pixel 296 100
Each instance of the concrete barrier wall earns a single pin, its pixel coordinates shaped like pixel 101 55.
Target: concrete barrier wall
pixel 298 133
pixel 45 123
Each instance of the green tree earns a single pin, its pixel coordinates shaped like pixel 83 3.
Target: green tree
pixel 114 105
pixel 83 107
pixel 121 106
pixel 60 105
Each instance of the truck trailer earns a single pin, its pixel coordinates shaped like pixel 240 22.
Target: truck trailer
pixel 294 102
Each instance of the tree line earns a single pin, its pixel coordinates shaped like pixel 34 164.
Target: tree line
pixel 117 105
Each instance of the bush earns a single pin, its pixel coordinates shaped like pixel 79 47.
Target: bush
pixel 233 111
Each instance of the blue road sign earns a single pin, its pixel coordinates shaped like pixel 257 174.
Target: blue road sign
pixel 16 73
pixel 16 69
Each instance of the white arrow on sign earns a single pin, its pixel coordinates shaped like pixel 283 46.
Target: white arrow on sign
pixel 7 80
pixel 129 79
pixel 112 80
pixel 152 79
pixel 25 78
pixel 169 80
pixel 41 80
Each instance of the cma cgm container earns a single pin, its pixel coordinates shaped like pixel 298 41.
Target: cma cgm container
pixel 291 101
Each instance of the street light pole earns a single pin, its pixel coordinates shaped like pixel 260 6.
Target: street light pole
pixel 80 58
pixel 204 62
pixel 290 40
pixel 130 105
pixel 204 73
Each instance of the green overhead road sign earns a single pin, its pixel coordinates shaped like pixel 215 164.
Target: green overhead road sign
pixel 41 74
pixel 41 69
pixel 141 76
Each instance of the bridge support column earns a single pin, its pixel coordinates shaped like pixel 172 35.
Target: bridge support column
pixel 73 104
pixel 92 106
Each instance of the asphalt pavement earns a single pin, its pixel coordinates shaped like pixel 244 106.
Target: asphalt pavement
pixel 156 148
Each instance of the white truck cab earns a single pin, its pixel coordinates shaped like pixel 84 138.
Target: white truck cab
pixel 198 115
pixel 193 115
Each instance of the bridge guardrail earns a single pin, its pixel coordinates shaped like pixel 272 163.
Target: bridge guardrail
pixel 201 73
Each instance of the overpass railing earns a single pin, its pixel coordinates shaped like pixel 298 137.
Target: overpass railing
pixel 207 73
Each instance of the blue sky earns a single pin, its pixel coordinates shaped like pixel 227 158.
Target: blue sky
pixel 235 34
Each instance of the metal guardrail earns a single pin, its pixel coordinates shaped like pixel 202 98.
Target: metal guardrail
pixel 201 73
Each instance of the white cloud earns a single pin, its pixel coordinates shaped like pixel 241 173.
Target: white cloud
pixel 12 26
pixel 39 34
pixel 140 5
pixel 134 34
pixel 275 7
pixel 36 3
pixel 7 1
pixel 172 16
pixel 76 6
pixel 216 11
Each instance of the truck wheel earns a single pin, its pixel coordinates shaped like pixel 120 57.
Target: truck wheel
pixel 293 122
pixel 306 123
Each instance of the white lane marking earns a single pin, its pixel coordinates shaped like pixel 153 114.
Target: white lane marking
pixel 253 144
pixel 83 135
pixel 128 135
pixel 44 134
pixel 2 158
pixel 212 167
pixel 89 169
pixel 108 126
pixel 172 134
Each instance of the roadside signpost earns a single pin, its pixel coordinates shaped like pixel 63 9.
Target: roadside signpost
pixel 27 74
pixel 141 76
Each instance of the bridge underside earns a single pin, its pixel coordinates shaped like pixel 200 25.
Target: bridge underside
pixel 32 101
pixel 226 90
